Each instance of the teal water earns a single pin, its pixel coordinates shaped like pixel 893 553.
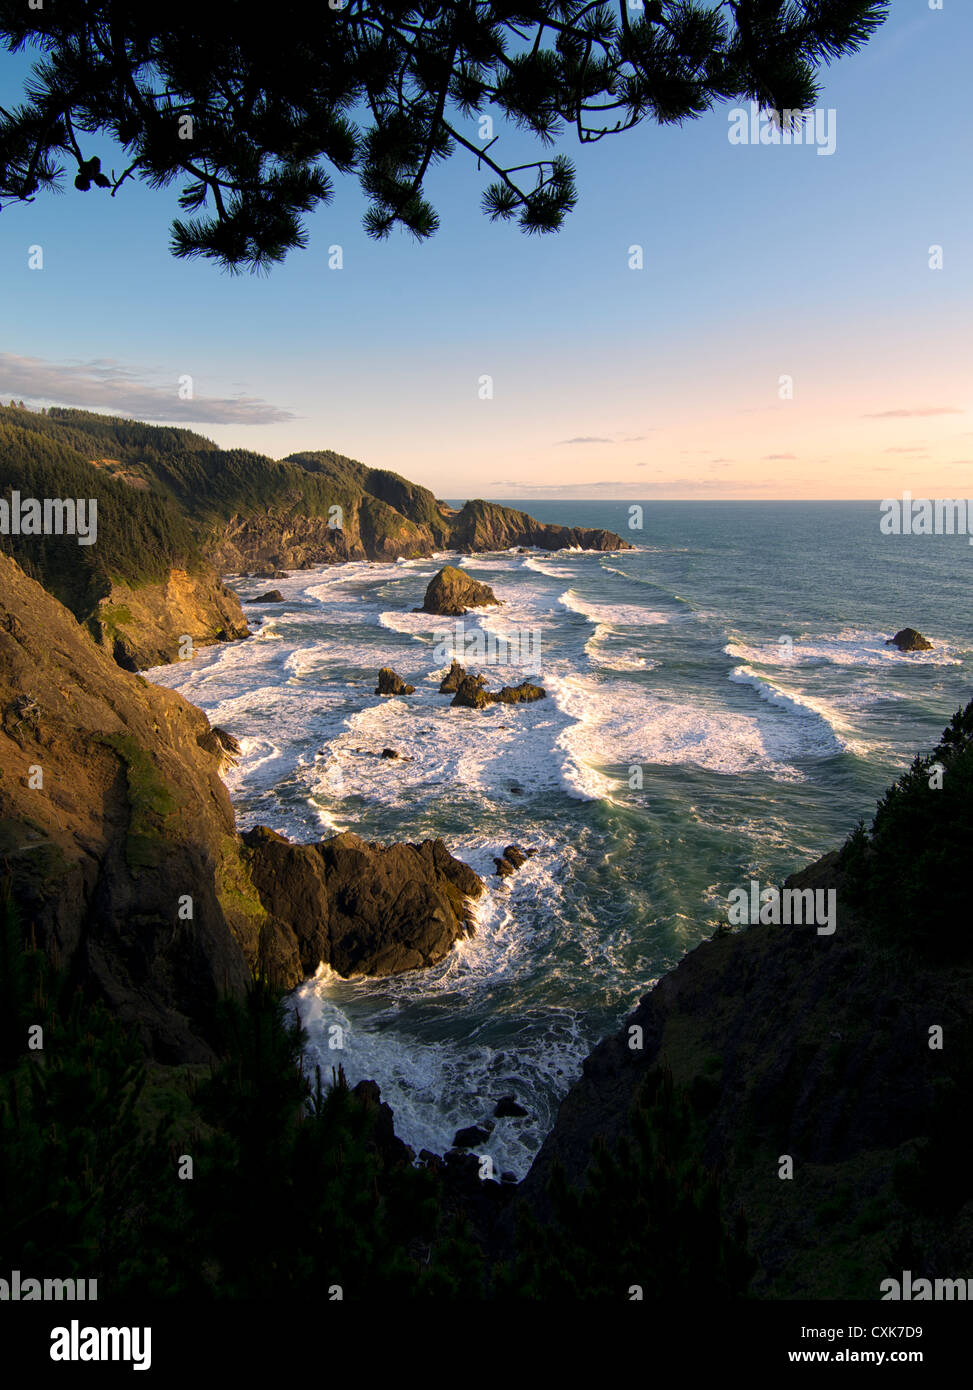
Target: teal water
pixel 684 748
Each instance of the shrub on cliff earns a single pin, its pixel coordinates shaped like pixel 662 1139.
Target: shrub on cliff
pixel 648 1217
pixel 290 1192
pixel 906 874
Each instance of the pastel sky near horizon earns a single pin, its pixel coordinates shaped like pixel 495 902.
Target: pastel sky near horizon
pixel 759 263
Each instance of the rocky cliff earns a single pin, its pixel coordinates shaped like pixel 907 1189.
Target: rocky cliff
pixel 116 827
pixel 153 624
pixel 814 1048
pixel 485 526
pixel 120 842
pixel 175 513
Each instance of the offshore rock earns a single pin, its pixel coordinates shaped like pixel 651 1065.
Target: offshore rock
pixel 452 679
pixel 391 684
pixel 471 694
pixel 360 907
pixel 909 640
pixel 452 593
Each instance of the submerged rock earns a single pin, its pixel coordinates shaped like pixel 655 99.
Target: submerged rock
pixel 909 640
pixel 391 684
pixel 452 592
pixel 512 859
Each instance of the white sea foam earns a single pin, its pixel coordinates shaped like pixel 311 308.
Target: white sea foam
pixel 613 614
pixel 436 1085
pixel 826 717
pixel 849 647
pixel 539 567
pixel 300 699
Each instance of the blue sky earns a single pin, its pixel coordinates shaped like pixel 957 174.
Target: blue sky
pixel 759 262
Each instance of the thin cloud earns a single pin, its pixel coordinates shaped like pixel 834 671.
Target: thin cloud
pixel 908 414
pixel 605 439
pixel 779 456
pixel 585 439
pixel 904 449
pixel 104 384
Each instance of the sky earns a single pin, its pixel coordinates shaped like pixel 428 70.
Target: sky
pixel 790 333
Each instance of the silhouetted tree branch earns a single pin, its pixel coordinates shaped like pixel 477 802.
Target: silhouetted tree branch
pixel 256 109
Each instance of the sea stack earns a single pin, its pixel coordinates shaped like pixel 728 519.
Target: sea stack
pixel 453 593
pixel 390 683
pixel 909 640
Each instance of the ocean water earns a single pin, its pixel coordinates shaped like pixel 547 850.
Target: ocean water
pixel 721 705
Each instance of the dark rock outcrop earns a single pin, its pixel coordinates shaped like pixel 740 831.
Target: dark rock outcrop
pixel 389 753
pixel 471 694
pixel 222 745
pixel 909 640
pixel 271 596
pixel 512 859
pixel 391 684
pixel 360 907
pixel 383 1136
pixel 524 693
pixel 452 593
pixel 452 679
pixel 470 1137
pixel 508 1108
pixel 484 525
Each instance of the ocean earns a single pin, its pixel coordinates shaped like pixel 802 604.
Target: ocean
pixel 721 706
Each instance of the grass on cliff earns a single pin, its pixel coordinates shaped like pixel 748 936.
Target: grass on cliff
pixel 151 801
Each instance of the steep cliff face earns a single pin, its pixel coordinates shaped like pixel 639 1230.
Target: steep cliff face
pixel 812 1047
pixel 120 841
pixel 174 513
pixel 116 827
pixel 485 526
pixel 148 624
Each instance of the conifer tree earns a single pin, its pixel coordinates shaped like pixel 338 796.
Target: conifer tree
pixel 254 112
